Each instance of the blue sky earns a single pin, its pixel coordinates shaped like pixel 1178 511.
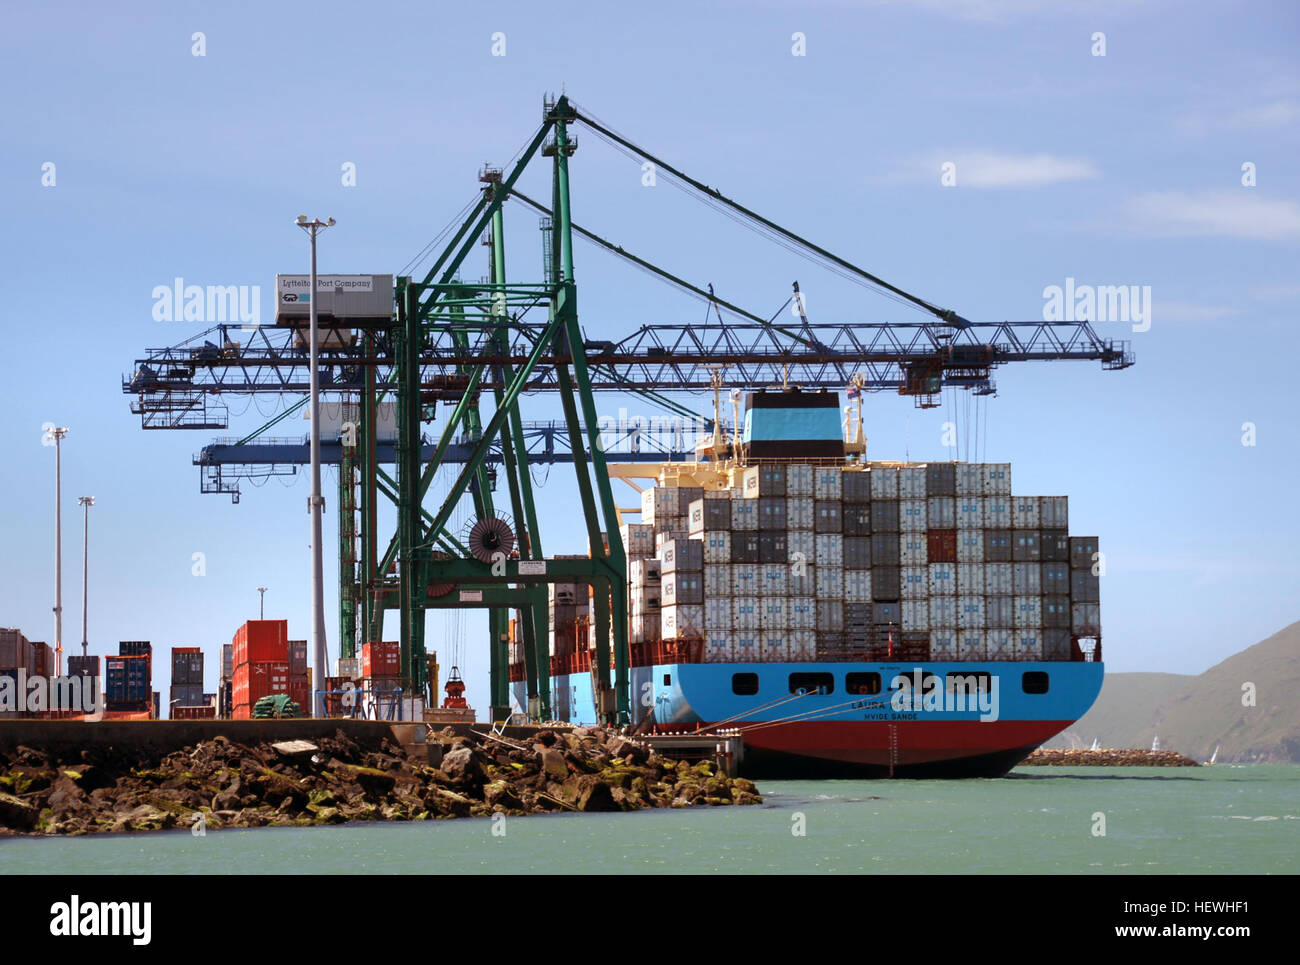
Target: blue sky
pixel 1123 169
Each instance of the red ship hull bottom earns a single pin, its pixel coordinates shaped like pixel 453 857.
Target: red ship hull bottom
pixel 881 749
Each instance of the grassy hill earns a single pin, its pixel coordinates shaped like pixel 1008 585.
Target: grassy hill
pixel 1194 714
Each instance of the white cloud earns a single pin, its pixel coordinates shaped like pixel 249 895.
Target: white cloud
pixel 991 170
pixel 1233 214
pixel 1276 114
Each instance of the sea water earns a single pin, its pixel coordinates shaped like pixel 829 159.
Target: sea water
pixel 1039 820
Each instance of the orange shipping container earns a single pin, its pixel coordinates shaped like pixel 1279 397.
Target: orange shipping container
pixel 381 659
pixel 260 641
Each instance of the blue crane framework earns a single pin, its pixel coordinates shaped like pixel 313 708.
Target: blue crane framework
pixel 449 342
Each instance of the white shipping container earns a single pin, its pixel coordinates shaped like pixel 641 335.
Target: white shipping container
pixel 857 585
pixel 801 544
pixel 638 540
pixel 799 512
pixel 1054 512
pixel 884 482
pixel 1029 612
pixel 943 644
pixel 646 571
pixel 773 579
pixel 1024 512
pixel 1085 619
pixel 717 647
pixel 830 582
pixel 970 512
pixel 997 578
pixel 913 549
pixel 943 612
pixel 911 482
pixel 1000 644
pixel 997 512
pixel 970 546
pixel 828 482
pixel 916 616
pixel 665 536
pixel 802 644
pixel 997 479
pixel 911 515
pixel 772 612
pixel 970 612
pixel 646 628
pixel 744 579
pixel 678 622
pixel 744 613
pixel 970 479
pixel 943 579
pixel 717 579
pixel 802 613
pixel 717 613
pixel 830 549
pixel 564 594
pixel 1029 645
pixel 799 480
pixel 971 644
pixel 717 546
pixel 970 579
pixel 774 647
pixel 941 512
pixel 744 514
pixel 1027 579
pixel 999 611
pixel 746 646
pixel 913 582
pixel 645 598
pixel 802 580
pixel 658 502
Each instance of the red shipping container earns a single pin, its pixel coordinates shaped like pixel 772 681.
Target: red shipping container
pixel 941 545
pixel 381 659
pixel 261 641
pixel 298 694
pixel 253 681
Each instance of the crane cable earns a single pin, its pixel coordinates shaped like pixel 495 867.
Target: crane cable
pixel 763 226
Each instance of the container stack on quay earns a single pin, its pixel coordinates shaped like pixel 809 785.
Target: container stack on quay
pixel 381 669
pixel 348 679
pixel 262 666
pixel 187 699
pixel 17 653
pixel 800 562
pixel 128 680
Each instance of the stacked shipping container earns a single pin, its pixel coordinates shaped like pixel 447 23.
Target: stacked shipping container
pixel 799 562
pixel 187 680
pixel 260 656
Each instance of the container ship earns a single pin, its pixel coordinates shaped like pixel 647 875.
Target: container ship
pixel 849 617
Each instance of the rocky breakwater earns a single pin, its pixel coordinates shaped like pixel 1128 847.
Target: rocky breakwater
pixel 223 784
pixel 1105 757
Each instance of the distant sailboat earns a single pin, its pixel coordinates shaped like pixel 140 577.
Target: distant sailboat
pixel 1094 745
pixel 1213 757
pixel 1155 744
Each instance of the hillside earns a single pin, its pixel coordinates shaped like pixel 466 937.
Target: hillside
pixel 1193 714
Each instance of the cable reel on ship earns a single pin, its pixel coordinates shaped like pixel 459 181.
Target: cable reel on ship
pixel 490 536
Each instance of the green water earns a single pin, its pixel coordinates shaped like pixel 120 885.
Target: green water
pixel 1223 819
